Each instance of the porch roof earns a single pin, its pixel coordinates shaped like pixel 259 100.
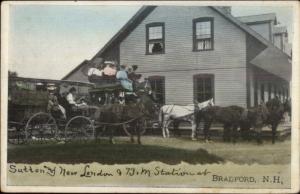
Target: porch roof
pixel 275 62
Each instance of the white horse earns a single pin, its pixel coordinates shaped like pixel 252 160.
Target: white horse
pixel 167 113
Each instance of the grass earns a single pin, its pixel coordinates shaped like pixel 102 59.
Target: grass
pixel 170 151
pixel 105 153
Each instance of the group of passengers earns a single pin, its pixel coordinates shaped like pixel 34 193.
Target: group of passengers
pixel 101 70
pixel 60 105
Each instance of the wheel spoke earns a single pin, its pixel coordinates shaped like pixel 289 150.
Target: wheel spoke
pixel 79 128
pixel 41 127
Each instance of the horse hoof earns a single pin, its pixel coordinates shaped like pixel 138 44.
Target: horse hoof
pixel 194 139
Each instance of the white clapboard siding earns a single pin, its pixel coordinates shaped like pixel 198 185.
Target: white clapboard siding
pixel 227 61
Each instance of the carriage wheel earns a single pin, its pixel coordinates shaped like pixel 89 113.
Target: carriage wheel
pixel 40 127
pixel 79 128
pixel 16 135
pixel 130 133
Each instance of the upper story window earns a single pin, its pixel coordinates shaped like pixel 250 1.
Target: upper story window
pixel 155 38
pixel 203 34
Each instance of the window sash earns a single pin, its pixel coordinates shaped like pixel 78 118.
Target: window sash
pixel 203 87
pixel 155 32
pixel 204 44
pixel 158 85
pixel 152 43
pixel 155 38
pixel 203 34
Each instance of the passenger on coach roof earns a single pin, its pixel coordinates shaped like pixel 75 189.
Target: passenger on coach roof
pixel 123 77
pixel 95 73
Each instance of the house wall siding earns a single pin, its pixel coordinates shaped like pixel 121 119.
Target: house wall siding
pixel 179 63
pixel 278 41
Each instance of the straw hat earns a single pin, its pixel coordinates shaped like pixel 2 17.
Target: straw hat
pixel 90 64
pixel 109 63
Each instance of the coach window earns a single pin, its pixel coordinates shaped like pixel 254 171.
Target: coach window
pixel 155 38
pixel 158 86
pixel 203 34
pixel 203 87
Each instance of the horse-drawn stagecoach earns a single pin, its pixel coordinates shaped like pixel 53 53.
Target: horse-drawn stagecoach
pixel 30 119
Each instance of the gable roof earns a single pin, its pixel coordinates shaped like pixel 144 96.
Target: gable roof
pixel 248 30
pixel 258 18
pixel 85 62
pixel 144 11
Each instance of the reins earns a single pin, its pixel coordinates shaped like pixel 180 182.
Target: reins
pixel 116 124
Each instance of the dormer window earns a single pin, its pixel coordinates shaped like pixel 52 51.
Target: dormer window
pixel 155 38
pixel 203 34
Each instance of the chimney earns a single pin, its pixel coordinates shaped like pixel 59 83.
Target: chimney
pixel 227 9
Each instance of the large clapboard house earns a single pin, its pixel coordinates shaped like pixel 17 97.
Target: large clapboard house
pixel 196 53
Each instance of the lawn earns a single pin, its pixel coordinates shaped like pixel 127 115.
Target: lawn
pixel 170 151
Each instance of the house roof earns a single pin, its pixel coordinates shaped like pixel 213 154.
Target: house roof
pixel 258 18
pixel 280 29
pixel 85 62
pixel 144 11
pixel 274 61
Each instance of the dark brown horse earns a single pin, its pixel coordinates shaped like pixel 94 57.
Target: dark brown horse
pixel 276 111
pixel 269 114
pixel 233 117
pixel 255 118
pixel 133 114
pixel 228 116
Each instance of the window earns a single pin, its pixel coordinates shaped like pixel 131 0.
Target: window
pixel 158 86
pixel 155 38
pixel 203 34
pixel 203 87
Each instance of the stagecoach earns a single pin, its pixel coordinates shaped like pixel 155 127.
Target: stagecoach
pixel 29 120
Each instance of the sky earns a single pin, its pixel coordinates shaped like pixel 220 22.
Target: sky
pixel 48 41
